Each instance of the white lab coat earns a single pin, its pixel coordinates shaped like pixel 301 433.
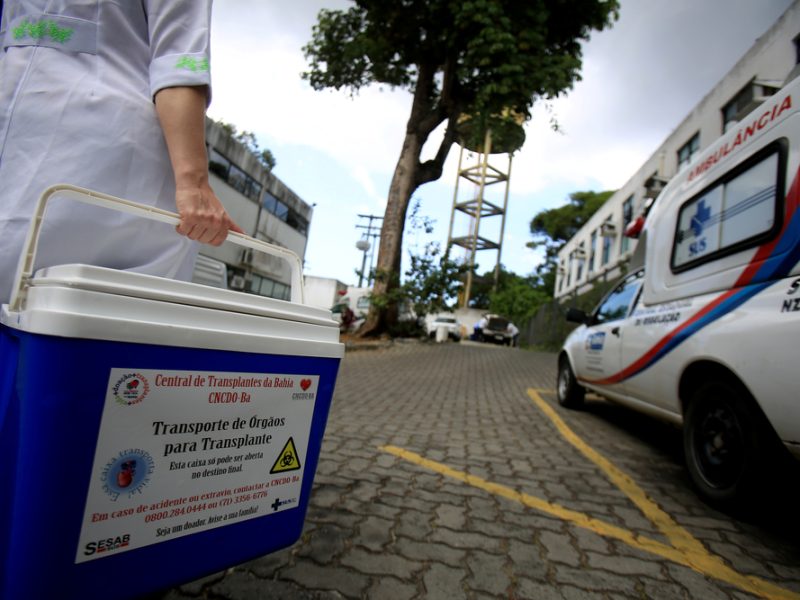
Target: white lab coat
pixel 77 81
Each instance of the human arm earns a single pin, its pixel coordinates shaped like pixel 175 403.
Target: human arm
pixel 181 112
pixel 180 85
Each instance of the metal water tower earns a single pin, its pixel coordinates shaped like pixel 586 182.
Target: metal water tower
pixel 501 136
pixel 363 246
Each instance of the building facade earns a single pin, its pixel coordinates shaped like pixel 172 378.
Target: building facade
pixel 599 251
pixel 264 207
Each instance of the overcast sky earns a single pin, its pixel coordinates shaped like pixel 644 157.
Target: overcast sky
pixel 640 79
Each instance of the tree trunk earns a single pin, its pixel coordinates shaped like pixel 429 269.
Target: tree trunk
pixel 427 113
pixel 387 279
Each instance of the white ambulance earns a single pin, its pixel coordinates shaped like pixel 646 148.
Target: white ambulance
pixel 705 331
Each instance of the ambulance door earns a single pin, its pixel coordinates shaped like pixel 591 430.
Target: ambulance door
pixel 602 354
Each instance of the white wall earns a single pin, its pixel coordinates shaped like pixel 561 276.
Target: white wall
pixel 323 292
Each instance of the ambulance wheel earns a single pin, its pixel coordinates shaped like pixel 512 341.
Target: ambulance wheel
pixel 727 442
pixel 570 394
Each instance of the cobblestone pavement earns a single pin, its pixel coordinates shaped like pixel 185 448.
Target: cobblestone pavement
pixel 394 514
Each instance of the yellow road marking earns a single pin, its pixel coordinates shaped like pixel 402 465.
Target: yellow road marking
pixel 685 550
pixel 566 514
pixel 696 555
pixel 677 535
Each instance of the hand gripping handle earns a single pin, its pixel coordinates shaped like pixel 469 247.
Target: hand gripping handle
pixel 26 262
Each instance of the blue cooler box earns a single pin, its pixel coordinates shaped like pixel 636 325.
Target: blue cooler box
pixel 153 431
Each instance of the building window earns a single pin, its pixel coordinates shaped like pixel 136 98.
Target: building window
pixel 297 222
pixel 689 151
pixel 606 256
pixel 592 250
pixel 577 265
pixel 241 181
pixel 281 291
pixel 744 102
pixel 580 258
pixel 275 206
pixel 228 171
pixel 218 164
pixel 627 217
pixel 281 211
pixel 264 286
pixel 606 231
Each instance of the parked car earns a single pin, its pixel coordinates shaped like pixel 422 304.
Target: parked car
pixel 347 319
pixel 450 323
pixel 705 334
pixel 495 329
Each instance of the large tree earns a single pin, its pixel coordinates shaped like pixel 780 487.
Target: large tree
pixel 457 57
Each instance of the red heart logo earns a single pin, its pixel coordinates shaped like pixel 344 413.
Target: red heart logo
pixel 124 479
pixel 305 384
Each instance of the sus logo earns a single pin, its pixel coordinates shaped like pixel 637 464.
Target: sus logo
pixel 596 341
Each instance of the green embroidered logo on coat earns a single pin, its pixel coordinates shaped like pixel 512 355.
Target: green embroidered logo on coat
pixel 192 64
pixel 39 30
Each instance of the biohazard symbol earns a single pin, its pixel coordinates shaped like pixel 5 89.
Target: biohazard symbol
pixel 287 459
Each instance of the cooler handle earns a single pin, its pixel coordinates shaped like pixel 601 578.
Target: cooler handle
pixel 26 262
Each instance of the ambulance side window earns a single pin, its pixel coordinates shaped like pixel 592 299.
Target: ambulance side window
pixel 740 210
pixel 618 303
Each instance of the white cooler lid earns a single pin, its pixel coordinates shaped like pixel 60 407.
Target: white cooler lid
pixel 82 301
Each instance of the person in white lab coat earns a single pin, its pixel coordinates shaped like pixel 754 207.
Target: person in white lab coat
pixel 514 333
pixel 109 96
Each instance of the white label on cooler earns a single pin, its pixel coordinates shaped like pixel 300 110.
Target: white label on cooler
pixel 180 452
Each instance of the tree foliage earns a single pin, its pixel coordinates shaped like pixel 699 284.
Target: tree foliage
pixel 483 287
pixel 430 286
pixel 515 297
pixel 263 156
pixel 518 299
pixel 432 280
pixel 490 54
pixel 552 228
pixel 555 226
pixel 249 141
pixel 457 57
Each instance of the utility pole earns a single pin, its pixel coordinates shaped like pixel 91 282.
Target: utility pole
pixel 365 245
